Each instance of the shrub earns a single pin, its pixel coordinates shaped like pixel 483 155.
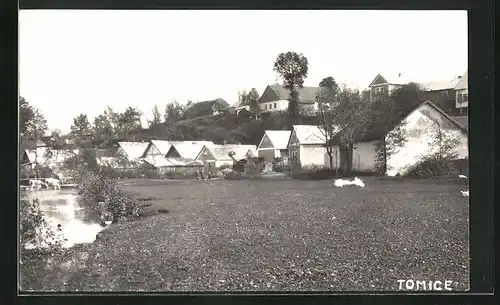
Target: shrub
pixel 34 229
pixel 95 188
pixel 224 166
pixel 432 168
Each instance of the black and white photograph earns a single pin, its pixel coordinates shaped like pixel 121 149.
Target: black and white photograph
pixel 228 151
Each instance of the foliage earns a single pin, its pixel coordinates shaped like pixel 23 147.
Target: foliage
pixel 327 99
pixel 292 68
pixel 34 228
pixel 32 124
pixel 224 166
pixel 95 188
pixel 81 131
pixel 387 120
pixel 253 168
pixel 439 160
pixel 156 116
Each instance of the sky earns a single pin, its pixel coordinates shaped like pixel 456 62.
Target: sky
pixel 80 61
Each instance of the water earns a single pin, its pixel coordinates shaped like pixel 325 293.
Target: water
pixel 79 224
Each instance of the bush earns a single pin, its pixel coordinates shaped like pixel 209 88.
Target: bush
pixel 224 166
pixel 180 175
pixel 95 188
pixel 432 168
pixel 35 230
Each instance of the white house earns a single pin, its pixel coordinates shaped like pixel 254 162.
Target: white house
pixel 275 98
pixel 418 126
pixel 218 155
pixel 274 143
pixel 384 85
pixel 462 91
pixel 306 146
pixel 187 150
pixel 364 156
pixel 132 150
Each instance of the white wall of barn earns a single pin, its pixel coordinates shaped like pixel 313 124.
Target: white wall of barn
pixel 313 155
pixel 417 129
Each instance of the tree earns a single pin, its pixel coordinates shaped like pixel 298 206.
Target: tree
pixel 81 130
pixel 327 103
pixel 130 120
pixel 387 120
pixel 292 68
pixel 26 115
pixel 175 112
pixel 253 101
pixel 156 117
pixel 347 120
pixel 103 128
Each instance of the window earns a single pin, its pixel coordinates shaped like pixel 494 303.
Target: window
pixel 274 105
pixel 465 97
pixel 265 107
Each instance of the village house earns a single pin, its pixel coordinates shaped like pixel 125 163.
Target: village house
pixel 215 156
pixel 274 144
pixel 442 94
pixel 275 98
pixel 45 156
pixel 418 126
pixel 462 94
pixel 212 107
pixel 155 152
pixel 187 150
pixel 133 151
pixel 306 147
pixel 382 86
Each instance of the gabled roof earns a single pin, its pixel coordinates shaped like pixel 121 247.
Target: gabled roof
pixel 463 83
pixel 162 145
pixel 441 111
pixel 392 79
pixel 133 150
pixel 58 155
pixel 440 85
pixel 306 94
pixel 190 149
pixel 309 134
pixel 221 152
pixel 279 138
pixel 463 120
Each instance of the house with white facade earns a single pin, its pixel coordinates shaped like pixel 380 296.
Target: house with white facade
pixel 383 85
pixel 216 156
pixel 418 128
pixel 187 150
pixel 306 146
pixel 462 93
pixel 275 98
pixel 274 143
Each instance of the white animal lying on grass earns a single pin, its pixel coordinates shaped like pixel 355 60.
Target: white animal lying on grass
pixel 342 182
pixel 462 176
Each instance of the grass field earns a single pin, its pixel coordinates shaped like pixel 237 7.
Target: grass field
pixel 276 235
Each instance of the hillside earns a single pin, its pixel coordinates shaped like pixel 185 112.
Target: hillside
pixel 220 128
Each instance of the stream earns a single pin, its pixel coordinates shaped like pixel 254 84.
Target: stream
pixel 79 224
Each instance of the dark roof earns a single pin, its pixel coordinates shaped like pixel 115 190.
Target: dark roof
pixel 306 94
pixel 205 107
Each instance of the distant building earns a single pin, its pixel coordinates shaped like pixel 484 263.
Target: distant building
pixel 212 107
pixel 382 86
pixel 275 98
pixel 219 155
pixel 274 144
pixel 462 94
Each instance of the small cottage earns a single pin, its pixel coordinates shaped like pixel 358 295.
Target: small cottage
pixel 274 144
pixel 306 146
pixel 227 154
